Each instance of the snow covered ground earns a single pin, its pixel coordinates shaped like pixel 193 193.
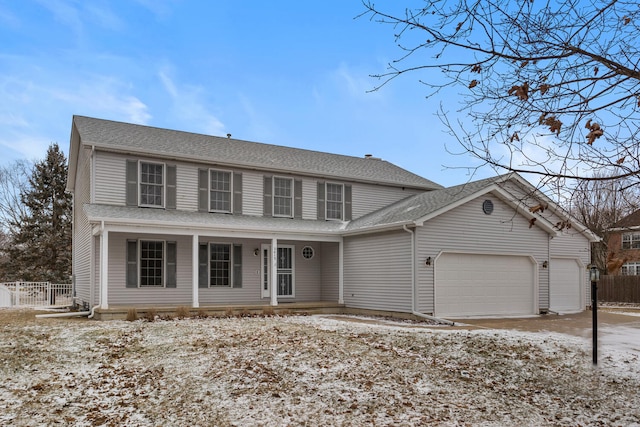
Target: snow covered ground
pixel 308 370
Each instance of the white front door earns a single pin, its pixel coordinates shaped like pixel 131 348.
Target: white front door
pixel 285 276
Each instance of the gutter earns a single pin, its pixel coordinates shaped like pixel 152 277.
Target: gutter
pixel 69 314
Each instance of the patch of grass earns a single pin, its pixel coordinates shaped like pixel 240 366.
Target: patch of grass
pixel 203 313
pixel 183 312
pixel 229 312
pixel 267 311
pixel 132 315
pixel 150 314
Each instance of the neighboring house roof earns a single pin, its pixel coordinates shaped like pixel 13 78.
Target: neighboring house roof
pixel 165 143
pixel 631 221
pixel 135 216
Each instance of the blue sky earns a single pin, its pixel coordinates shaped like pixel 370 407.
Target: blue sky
pixel 290 73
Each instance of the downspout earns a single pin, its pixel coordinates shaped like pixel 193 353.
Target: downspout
pixel 413 283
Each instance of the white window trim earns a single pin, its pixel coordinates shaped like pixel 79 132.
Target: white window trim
pixel 631 239
pixel 164 264
pixel 164 184
pixel 231 265
pixel 273 197
pixel 230 191
pixel 634 265
pixel 326 201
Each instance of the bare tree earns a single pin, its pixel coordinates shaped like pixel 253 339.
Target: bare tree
pixel 14 180
pixel 546 87
pixel 599 205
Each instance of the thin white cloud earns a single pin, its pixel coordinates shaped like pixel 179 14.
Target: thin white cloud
pixel 8 19
pixel 66 13
pixel 356 84
pixel 189 105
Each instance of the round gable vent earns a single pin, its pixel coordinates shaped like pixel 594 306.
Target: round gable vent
pixel 487 207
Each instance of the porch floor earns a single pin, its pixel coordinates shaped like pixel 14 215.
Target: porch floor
pixel 122 312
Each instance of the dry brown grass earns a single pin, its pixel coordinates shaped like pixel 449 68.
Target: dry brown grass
pixel 183 312
pixel 150 314
pixel 132 315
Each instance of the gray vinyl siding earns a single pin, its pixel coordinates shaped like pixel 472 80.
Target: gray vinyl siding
pixel 252 193
pixel 110 175
pixel 367 198
pixel 377 271
pixel 81 249
pixel 308 273
pixel 119 294
pixel 330 270
pixel 467 229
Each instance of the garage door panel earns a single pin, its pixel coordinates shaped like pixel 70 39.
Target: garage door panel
pixel 565 285
pixel 484 285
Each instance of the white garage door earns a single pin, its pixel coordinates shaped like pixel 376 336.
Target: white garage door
pixel 484 285
pixel 564 284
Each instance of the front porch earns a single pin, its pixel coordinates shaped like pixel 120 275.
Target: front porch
pixel 141 311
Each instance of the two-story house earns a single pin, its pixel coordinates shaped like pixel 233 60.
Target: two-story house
pixel 623 246
pixel 165 218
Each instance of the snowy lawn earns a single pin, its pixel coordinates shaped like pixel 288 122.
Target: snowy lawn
pixel 308 370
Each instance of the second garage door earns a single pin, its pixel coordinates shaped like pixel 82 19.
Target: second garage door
pixel 484 285
pixel 564 284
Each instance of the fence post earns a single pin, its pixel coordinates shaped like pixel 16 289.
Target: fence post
pixel 17 294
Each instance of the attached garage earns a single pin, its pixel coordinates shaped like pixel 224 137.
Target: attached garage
pixel 484 285
pixel 564 285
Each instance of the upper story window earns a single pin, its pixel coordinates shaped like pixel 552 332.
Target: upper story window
pixel 630 269
pixel 335 201
pixel 220 191
pixel 283 197
pixel 151 184
pixel 631 241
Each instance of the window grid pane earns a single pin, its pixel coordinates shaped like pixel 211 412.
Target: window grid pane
pixel 220 194
pixel 334 201
pixel 630 269
pixel 151 263
pixel 151 184
pixel 282 197
pixel 220 265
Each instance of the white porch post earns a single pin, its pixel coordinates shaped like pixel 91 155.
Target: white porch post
pixel 340 272
pixel 274 271
pixel 195 271
pixel 104 269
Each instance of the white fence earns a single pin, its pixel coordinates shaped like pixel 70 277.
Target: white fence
pixel 35 294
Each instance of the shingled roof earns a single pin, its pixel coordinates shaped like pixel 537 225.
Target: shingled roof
pixel 166 143
pixel 629 221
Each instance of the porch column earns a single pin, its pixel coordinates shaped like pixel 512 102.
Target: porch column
pixel 340 272
pixel 104 269
pixel 195 271
pixel 274 271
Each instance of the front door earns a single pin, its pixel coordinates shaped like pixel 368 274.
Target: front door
pixel 285 273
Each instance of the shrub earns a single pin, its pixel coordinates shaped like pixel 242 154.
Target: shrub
pixel 132 315
pixel 182 312
pixel 150 315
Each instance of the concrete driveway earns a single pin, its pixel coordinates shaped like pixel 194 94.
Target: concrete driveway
pixel 615 329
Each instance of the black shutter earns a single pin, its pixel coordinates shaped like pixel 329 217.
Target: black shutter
pixel 268 200
pixel 171 187
pixel 132 182
pixel 237 193
pixel 321 201
pixel 172 281
pixel 347 203
pixel 203 264
pixel 203 190
pixel 297 199
pixel 132 264
pixel 237 266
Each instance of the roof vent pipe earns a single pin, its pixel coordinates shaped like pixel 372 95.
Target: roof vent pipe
pixel 228 135
pixel 368 156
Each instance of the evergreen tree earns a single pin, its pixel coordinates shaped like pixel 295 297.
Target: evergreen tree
pixel 41 247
